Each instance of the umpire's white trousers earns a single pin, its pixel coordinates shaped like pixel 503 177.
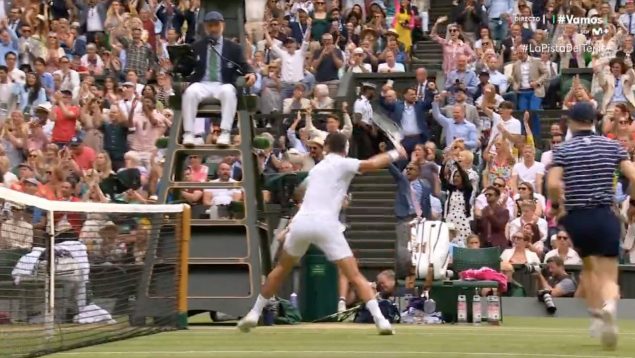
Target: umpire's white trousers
pixel 199 92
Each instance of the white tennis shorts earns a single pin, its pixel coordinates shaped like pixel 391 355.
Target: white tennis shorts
pixel 327 235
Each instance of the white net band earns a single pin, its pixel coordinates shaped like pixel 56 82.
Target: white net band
pixel 86 207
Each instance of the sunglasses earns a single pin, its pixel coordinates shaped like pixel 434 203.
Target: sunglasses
pixel 314 148
pixel 522 188
pixel 454 30
pixel 562 237
pixel 499 185
pixel 623 122
pixel 32 155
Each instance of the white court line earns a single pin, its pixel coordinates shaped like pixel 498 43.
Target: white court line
pixel 372 353
pixel 569 334
pixel 410 329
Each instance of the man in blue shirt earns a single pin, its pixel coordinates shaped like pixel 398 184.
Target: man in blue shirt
pixel 461 78
pixel 498 14
pixel 455 127
pixel 8 41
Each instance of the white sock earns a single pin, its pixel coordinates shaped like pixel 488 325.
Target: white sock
pixel 373 308
pixel 260 304
pixel 611 305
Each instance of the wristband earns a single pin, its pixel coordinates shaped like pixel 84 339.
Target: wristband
pixel 394 155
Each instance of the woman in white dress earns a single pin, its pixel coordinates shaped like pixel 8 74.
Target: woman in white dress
pixel 458 210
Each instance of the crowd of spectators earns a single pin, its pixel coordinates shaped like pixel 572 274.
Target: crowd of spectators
pixel 85 114
pixel 478 154
pixel 85 88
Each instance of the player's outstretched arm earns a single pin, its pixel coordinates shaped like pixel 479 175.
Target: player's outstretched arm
pixel 382 160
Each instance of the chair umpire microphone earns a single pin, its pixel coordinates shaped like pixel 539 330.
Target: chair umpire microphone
pixel 220 62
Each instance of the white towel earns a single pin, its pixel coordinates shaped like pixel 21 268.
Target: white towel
pixel 93 314
pixel 27 265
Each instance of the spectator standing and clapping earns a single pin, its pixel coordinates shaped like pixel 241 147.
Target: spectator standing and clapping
pixel 291 60
pixel 145 128
pixel 456 127
pixel 65 116
pixel 327 61
pixel 492 220
pixel 412 201
pixel 8 40
pixel 458 210
pixel 70 78
pixel 452 47
pixel 410 115
pixel 528 78
pixel 498 13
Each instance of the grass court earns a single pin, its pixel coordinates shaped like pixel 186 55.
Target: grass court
pixel 516 337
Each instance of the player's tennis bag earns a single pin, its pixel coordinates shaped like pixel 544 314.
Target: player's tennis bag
pixel 287 313
pixel 430 244
pixel 388 308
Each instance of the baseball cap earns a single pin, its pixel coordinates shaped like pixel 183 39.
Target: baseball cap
pixel 25 165
pixel 75 141
pixel 358 50
pixel 46 107
pixel 317 140
pixel 214 16
pixel 582 112
pixel 32 181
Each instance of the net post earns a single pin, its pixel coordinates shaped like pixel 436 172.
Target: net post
pixel 49 319
pixel 184 250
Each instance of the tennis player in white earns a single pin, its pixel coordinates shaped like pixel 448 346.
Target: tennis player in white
pixel 317 222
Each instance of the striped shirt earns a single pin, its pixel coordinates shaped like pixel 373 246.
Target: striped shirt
pixel 589 163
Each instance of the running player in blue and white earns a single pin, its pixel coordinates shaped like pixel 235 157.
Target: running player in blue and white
pixel 581 188
pixel 317 222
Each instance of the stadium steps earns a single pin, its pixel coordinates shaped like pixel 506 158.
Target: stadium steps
pixel 428 53
pixel 371 222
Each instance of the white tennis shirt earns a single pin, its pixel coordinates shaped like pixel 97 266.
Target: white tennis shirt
pixel 327 185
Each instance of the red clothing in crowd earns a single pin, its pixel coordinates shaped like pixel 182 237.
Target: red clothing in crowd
pixel 64 128
pixel 86 158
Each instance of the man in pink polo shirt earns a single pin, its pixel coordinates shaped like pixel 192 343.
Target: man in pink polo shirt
pixel 146 127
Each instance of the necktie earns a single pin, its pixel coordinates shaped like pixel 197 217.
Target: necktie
pixel 415 203
pixel 630 23
pixel 212 65
pixel 574 59
pixel 553 73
